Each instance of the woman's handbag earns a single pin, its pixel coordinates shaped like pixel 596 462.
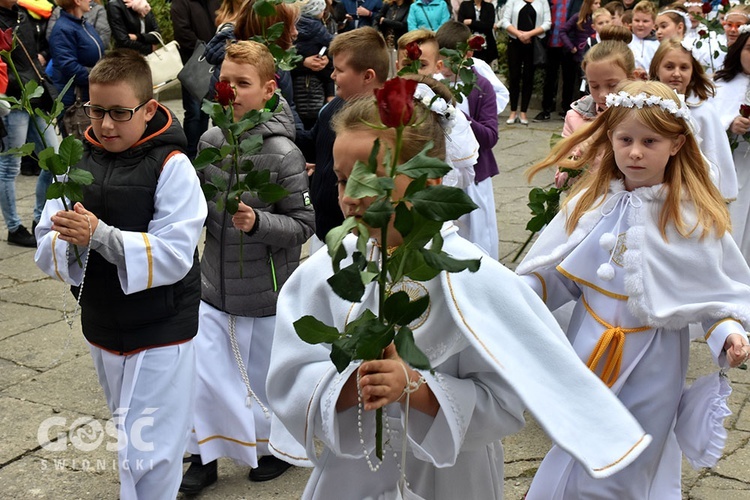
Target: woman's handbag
pixel 74 118
pixel 540 52
pixel 165 62
pixel 47 100
pixel 195 76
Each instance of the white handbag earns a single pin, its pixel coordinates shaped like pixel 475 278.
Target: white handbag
pixel 165 62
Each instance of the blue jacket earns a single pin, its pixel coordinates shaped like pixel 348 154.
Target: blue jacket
pixel 75 47
pixel 312 35
pixel 373 6
pixel 430 16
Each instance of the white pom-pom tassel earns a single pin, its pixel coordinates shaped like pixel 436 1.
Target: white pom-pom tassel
pixel 606 272
pixel 607 241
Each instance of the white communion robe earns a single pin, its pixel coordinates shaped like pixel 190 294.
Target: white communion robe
pixel 729 96
pixel 651 377
pixel 495 349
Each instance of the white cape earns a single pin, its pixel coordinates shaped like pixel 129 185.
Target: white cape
pixel 497 315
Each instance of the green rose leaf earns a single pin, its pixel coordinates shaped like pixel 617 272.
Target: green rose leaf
pixel 423 231
pixel 232 203
pixel 71 151
pixel 206 158
pixel 408 350
pixel 251 145
pixel 400 310
pixel 335 237
pixel 447 263
pixel 314 331
pixel 264 8
pixel 209 191
pixel 80 176
pixel 220 182
pixel 363 183
pixel 442 203
pixel 45 157
pixel 416 185
pixel 271 193
pixel 416 268
pixel 73 192
pixel 55 190
pixel 342 353
pixel 403 222
pixel 274 31
pixel 347 282
pixel 378 214
pixel 421 164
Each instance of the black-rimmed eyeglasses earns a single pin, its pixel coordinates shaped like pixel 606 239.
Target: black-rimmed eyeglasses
pixel 117 114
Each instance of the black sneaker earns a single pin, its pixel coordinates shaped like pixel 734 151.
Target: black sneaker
pixel 21 237
pixel 543 116
pixel 269 467
pixel 198 476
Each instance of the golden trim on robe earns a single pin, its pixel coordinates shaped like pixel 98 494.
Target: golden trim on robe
pixel 149 259
pixel 54 256
pixel 590 285
pixel 713 327
pixel 544 286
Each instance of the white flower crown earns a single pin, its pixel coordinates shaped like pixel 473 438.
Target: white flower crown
pixel 625 100
pixel 685 18
pixel 745 28
pixel 687 5
pixel 438 105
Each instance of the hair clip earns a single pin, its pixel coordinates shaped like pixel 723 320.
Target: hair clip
pixel 624 100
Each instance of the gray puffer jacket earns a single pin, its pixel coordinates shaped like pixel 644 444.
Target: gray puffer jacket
pixel 271 251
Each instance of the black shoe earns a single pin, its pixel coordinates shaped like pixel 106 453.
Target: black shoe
pixel 543 116
pixel 198 477
pixel 269 467
pixel 21 237
pixel 29 166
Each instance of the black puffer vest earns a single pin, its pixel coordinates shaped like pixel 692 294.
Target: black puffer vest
pixel 122 195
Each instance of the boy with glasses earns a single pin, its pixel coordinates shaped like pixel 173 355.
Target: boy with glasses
pixel 137 229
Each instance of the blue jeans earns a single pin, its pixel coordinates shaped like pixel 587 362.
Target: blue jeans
pixel 194 123
pixel 19 128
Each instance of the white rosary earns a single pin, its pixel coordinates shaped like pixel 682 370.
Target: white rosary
pixel 410 387
pixel 69 319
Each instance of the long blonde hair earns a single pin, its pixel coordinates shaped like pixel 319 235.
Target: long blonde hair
pixel 686 174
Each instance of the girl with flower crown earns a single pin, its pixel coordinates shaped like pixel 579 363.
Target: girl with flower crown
pixel 642 247
pixel 732 99
pixel 492 346
pixel 674 65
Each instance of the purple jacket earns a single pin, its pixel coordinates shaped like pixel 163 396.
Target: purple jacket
pixel 573 37
pixel 483 119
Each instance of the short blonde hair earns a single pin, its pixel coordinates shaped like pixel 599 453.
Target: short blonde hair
pixel 601 11
pixel 253 54
pixel 645 7
pixel 124 66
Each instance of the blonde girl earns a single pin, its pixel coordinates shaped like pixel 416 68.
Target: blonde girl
pixel 672 22
pixel 732 84
pixel 619 248
pixel 483 342
pixel 674 65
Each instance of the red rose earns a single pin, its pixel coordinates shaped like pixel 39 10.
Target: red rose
pixel 413 52
pixel 6 39
pixel 724 3
pixel 706 7
pixel 224 93
pixel 703 33
pixel 396 101
pixel 476 42
pixel 745 110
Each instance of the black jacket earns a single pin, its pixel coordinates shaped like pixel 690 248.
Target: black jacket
pixel 484 27
pixel 393 23
pixel 123 195
pixel 27 32
pixel 124 21
pixel 193 21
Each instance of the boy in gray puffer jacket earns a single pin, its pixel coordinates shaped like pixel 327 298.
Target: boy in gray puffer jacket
pixel 238 308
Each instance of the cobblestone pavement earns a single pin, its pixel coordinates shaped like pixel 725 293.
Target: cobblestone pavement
pixel 46 372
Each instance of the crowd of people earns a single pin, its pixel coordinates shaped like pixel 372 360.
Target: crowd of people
pixel 656 113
